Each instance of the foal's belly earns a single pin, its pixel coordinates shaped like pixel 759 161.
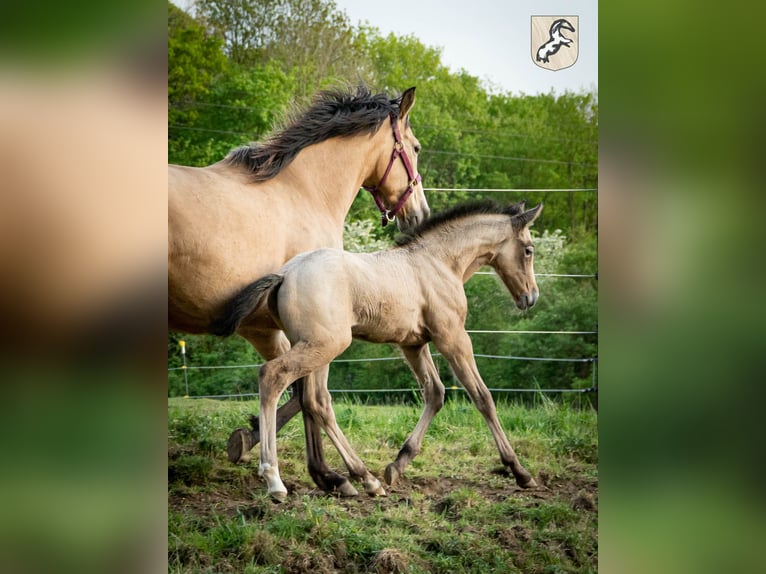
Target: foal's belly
pixel 406 337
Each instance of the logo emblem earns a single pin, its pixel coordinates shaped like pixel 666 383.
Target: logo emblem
pixel 555 41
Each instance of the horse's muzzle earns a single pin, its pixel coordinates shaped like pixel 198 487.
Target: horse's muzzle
pixel 412 220
pixel 527 300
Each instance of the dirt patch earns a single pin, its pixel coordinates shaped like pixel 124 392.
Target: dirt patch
pixel 580 493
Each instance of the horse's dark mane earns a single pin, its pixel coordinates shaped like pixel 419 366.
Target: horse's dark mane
pixel 333 113
pixel 483 207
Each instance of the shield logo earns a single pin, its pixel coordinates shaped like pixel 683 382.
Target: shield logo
pixel 555 41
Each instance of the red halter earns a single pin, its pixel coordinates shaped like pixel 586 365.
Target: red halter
pixel 414 178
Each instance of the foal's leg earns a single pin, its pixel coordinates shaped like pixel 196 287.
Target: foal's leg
pixel 274 377
pixel 270 343
pixel 425 372
pixel 317 405
pixel 326 479
pixel 458 350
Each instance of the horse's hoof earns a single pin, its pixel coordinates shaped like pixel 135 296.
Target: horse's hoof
pixel 528 484
pixel 391 474
pixel 347 490
pixel 239 445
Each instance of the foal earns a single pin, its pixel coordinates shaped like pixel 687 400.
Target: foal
pixel 409 295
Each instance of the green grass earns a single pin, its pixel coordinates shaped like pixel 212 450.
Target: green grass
pixel 454 510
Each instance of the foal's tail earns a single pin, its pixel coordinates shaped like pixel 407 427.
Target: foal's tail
pixel 244 303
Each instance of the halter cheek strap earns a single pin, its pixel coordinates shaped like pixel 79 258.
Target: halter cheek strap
pixel 414 178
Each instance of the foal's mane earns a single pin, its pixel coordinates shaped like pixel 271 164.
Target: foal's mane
pixel 340 112
pixel 460 211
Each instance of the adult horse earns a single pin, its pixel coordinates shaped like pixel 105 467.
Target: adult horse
pixel 410 295
pixel 245 216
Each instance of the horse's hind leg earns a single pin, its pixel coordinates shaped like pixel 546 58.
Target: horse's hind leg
pixel 422 365
pixel 317 406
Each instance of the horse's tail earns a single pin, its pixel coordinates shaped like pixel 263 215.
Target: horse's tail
pixel 244 303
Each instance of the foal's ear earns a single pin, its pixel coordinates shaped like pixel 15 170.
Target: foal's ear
pixel 408 98
pixel 518 207
pixel 525 219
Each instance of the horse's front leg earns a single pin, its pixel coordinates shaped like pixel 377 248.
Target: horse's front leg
pixel 458 350
pixel 317 407
pixel 422 365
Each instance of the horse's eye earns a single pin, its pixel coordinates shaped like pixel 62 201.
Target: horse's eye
pixel 417 148
pixel 529 250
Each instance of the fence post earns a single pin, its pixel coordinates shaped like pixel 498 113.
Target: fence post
pixel 182 344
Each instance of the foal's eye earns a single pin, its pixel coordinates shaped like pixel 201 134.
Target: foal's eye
pixel 417 148
pixel 529 250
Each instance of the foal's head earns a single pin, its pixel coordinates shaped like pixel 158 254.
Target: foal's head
pixel 514 259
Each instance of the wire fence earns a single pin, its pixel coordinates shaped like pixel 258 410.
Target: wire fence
pixel 513 190
pixel 186 368
pixel 593 360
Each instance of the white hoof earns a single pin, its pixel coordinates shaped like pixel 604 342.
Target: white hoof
pixel 270 474
pixel 278 495
pixel 374 488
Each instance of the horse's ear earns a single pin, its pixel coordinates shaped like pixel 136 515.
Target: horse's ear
pixel 408 98
pixel 525 219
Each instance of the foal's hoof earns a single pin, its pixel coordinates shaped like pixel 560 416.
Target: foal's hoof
pixel 527 484
pixel 278 496
pixel 239 445
pixel 379 491
pixel 391 474
pixel 346 490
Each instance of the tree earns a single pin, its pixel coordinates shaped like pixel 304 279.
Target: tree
pixel 195 61
pixel 310 39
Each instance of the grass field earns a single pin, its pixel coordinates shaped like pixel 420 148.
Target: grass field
pixel 454 510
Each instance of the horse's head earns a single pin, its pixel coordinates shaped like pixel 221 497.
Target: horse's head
pixel 514 260
pixel 399 188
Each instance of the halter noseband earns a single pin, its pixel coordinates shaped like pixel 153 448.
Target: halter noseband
pixel 414 178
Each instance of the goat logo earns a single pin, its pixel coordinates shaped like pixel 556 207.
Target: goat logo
pixel 555 41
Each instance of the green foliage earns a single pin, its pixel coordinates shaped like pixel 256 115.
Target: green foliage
pixel 236 68
pixel 195 60
pixel 359 237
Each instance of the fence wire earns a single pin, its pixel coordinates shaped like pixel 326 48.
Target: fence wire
pixel 592 389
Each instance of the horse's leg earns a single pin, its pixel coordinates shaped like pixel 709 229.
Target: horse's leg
pixel 425 372
pixel 270 344
pixel 274 377
pixel 317 405
pixel 458 351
